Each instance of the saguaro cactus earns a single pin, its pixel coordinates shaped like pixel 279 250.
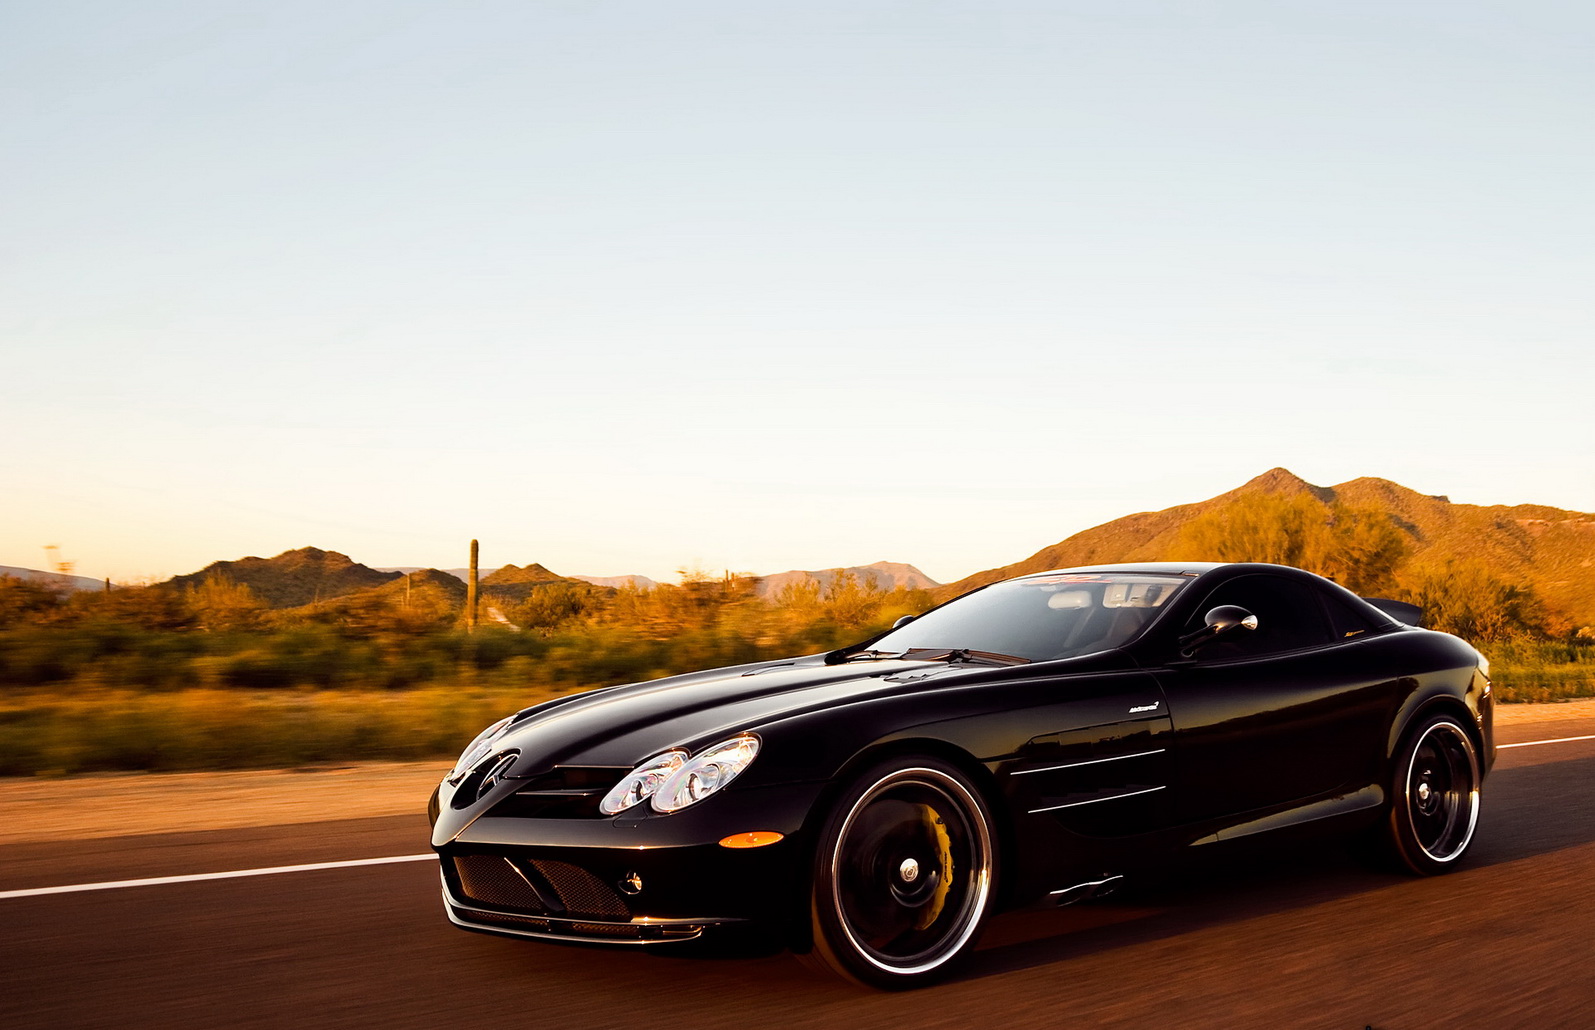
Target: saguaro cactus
pixel 470 594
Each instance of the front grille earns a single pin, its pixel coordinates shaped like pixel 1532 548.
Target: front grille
pixel 495 881
pixel 576 777
pixel 537 886
pixel 549 804
pixel 563 792
pixel 581 892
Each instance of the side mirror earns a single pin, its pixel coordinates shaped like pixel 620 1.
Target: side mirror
pixel 1227 617
pixel 1220 621
pixel 905 620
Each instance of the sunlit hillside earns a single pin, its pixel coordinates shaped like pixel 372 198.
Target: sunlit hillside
pixel 1373 535
pixel 293 578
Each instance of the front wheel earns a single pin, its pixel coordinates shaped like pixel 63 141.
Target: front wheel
pixel 1434 797
pixel 903 875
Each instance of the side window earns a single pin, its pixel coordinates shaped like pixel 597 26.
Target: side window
pixel 1288 617
pixel 1345 620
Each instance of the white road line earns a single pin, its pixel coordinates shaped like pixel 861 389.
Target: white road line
pixel 273 870
pixel 1558 740
pixel 269 871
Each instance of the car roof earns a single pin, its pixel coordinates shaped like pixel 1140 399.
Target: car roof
pixel 1175 568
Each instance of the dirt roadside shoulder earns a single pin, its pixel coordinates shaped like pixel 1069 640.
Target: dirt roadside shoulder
pixel 123 804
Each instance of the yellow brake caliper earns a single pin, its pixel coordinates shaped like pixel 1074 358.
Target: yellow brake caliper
pixel 944 854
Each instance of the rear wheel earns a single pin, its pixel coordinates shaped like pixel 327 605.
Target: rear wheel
pixel 903 875
pixel 1434 797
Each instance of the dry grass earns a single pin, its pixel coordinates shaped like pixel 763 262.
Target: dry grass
pixel 104 730
pixel 107 729
pixel 1541 670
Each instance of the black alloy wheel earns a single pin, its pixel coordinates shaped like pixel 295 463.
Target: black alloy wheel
pixel 904 875
pixel 1434 797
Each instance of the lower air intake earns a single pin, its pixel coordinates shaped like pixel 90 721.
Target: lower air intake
pixel 581 892
pixel 492 880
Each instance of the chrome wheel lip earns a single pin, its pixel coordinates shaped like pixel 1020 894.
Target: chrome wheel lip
pixel 1420 795
pixel 979 893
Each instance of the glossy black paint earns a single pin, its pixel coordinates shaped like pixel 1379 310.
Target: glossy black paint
pixel 1093 766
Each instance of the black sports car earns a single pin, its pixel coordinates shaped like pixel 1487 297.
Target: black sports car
pixel 1037 739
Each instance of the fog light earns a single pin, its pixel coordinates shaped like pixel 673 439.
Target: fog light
pixel 751 839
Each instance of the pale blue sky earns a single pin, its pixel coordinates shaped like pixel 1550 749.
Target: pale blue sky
pixel 626 286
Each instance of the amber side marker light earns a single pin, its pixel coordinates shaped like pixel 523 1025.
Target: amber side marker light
pixel 752 839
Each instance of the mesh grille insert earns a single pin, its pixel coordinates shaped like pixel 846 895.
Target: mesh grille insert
pixel 494 881
pixel 581 892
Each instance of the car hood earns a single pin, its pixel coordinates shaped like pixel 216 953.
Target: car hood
pixel 624 725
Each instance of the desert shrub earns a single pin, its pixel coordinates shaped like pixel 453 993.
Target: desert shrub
pixel 1472 602
pixel 1358 548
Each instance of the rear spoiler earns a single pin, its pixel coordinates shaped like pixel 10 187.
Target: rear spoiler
pixel 1401 611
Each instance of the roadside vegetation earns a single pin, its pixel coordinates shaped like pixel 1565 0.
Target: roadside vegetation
pixel 205 673
pixel 205 677
pixel 1541 670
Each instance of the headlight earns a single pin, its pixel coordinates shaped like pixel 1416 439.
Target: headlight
pixel 640 784
pixel 705 773
pixel 478 748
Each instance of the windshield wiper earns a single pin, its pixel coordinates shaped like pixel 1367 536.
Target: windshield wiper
pixel 962 654
pixel 843 655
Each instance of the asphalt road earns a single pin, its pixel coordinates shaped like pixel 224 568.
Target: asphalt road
pixel 1286 941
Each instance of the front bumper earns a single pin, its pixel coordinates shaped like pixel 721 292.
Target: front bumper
pixel 636 878
pixel 636 930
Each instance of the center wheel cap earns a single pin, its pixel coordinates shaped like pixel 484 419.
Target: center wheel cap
pixel 909 870
pixel 1423 792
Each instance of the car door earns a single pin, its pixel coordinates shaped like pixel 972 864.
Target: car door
pixel 1083 761
pixel 1097 762
pixel 1278 716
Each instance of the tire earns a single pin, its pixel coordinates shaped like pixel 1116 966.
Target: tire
pixel 904 875
pixel 1434 798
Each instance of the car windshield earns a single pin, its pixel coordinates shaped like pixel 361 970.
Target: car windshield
pixel 1043 617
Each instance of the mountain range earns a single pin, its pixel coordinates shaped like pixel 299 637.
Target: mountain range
pixel 1550 550
pixel 884 575
pixel 62 580
pixel 310 575
pixel 294 578
pixel 635 582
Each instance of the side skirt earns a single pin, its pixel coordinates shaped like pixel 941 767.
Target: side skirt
pixel 1366 799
